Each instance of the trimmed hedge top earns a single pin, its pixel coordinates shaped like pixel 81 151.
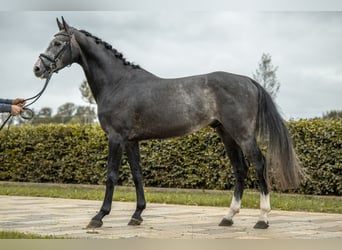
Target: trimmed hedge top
pixel 78 154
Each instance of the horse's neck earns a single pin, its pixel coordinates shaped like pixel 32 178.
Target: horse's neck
pixel 102 69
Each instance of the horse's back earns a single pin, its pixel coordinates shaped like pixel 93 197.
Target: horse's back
pixel 162 108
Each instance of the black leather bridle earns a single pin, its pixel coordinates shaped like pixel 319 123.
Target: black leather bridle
pixel 52 65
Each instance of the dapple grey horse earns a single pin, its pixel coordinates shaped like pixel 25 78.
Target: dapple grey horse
pixel 134 105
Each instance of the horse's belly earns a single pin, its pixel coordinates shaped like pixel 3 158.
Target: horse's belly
pixel 168 129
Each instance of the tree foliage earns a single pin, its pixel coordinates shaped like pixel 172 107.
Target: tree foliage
pixel 266 75
pixel 68 113
pixel 86 93
pixel 332 114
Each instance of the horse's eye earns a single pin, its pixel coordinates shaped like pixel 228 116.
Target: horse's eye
pixel 57 43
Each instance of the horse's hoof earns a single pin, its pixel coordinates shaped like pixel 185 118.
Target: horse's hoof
pixel 261 225
pixel 226 222
pixel 95 224
pixel 134 222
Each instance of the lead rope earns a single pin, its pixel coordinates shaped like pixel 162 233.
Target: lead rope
pixel 53 69
pixel 22 115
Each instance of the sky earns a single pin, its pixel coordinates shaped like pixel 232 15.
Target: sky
pixel 306 47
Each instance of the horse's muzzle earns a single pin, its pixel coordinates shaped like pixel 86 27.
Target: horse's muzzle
pixel 40 70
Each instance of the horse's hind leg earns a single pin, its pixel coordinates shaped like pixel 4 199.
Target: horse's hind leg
pixel 240 170
pixel 133 155
pixel 254 155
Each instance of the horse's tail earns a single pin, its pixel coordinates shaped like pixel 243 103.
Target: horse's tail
pixel 281 159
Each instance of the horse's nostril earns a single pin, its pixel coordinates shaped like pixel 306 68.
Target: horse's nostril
pixel 36 69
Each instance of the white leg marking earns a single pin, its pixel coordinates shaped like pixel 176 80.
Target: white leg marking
pixel 233 209
pixel 265 207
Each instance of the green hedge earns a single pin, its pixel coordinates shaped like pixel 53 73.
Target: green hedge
pixel 78 154
pixel 318 145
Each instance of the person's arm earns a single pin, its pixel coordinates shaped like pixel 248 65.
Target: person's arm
pixel 15 106
pixel 5 101
pixel 5 107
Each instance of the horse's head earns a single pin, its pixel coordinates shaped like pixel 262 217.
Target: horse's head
pixel 59 53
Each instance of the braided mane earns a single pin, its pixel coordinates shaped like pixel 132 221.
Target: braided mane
pixel 116 53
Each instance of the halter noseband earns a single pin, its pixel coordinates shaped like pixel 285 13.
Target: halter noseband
pixel 52 66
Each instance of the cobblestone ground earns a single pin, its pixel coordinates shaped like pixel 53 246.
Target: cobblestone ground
pixel 68 218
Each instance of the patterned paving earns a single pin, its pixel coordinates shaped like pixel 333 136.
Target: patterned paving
pixel 68 218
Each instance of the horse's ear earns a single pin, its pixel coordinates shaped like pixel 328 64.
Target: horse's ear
pixel 65 25
pixel 60 25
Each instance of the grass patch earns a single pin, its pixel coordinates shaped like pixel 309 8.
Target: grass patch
pixel 289 202
pixel 17 235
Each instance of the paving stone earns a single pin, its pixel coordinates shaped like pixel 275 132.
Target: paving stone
pixel 69 217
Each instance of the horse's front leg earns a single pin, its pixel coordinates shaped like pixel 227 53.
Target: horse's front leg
pixel 115 150
pixel 133 155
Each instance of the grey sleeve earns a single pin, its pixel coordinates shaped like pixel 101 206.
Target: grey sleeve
pixel 5 107
pixel 5 101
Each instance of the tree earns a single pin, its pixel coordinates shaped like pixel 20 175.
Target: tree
pixel 45 112
pixel 44 115
pixel 332 114
pixel 69 112
pixel 87 95
pixel 88 113
pixel 84 115
pixel 65 113
pixel 266 75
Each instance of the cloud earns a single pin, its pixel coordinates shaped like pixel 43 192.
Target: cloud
pixel 305 46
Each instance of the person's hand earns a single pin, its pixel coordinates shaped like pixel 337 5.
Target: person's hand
pixel 16 109
pixel 19 102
